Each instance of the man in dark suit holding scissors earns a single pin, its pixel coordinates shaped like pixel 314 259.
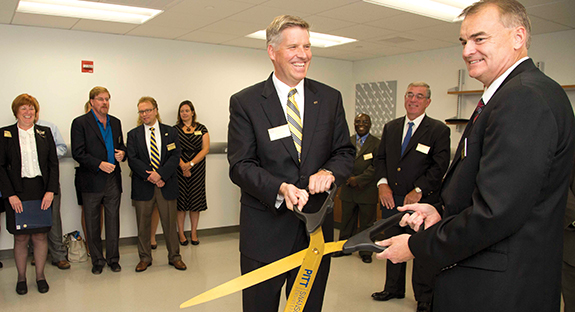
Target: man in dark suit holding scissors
pixel 98 146
pixel 412 159
pixel 498 241
pixel 285 134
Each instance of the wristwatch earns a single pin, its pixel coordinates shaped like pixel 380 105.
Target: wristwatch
pixel 191 163
pixel 418 190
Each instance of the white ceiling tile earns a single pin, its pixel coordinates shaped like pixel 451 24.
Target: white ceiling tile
pixel 151 4
pixel 404 22
pixel 6 16
pixel 146 30
pixel 182 19
pixel 233 27
pixel 263 15
pixel 247 43
pixel 206 37
pixel 8 5
pixel 213 8
pixel 542 26
pixel 44 20
pixel 325 24
pixel 445 31
pixel 361 32
pixel 104 27
pixel 311 7
pixel 360 12
pixel 561 12
pixel 251 1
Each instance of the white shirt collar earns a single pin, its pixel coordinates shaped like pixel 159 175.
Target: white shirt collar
pixel 488 93
pixel 155 125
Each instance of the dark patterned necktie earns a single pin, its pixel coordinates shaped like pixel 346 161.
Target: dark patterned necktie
pixel 154 150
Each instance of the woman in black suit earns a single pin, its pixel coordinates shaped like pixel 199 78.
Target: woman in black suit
pixel 28 171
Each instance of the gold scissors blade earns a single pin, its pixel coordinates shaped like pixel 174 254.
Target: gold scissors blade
pixel 257 276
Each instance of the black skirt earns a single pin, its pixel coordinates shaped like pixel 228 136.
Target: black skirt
pixel 33 190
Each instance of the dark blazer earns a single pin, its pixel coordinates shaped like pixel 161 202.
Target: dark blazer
pixel 259 166
pixel 364 173
pixel 11 160
pixel 414 168
pixel 569 225
pixel 89 150
pixel 139 162
pixel 500 240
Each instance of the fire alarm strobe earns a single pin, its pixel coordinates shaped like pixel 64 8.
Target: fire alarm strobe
pixel 87 66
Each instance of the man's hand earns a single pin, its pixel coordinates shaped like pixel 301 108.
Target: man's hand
pixel 386 196
pixel 15 203
pixel 423 214
pixel 107 167
pixel 47 200
pixel 160 183
pixel 412 197
pixel 119 155
pixel 397 249
pixel 320 182
pixel 352 182
pixel 153 177
pixel 293 196
pixel 187 173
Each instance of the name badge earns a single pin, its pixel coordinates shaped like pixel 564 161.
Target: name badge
pixel 7 134
pixel 279 132
pixel 171 146
pixel 422 148
pixel 198 132
pixel 367 156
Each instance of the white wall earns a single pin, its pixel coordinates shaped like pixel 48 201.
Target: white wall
pixel 46 64
pixel 439 68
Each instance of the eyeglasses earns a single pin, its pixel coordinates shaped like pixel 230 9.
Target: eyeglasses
pixel 145 111
pixel 101 99
pixel 419 96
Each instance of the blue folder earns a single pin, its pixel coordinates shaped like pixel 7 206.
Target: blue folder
pixel 32 216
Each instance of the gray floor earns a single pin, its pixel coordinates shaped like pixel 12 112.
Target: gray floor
pixel 162 288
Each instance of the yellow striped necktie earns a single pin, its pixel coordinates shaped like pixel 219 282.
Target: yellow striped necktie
pixel 154 150
pixel 294 122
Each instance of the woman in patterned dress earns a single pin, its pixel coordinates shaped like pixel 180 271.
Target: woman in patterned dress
pixel 195 142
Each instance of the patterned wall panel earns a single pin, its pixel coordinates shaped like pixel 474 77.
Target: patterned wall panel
pixel 378 100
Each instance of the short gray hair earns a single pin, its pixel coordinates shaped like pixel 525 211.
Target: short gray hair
pixel 421 84
pixel 274 30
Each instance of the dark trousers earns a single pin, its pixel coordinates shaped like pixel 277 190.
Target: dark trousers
pixel 168 217
pixel 110 198
pixel 422 278
pixel 568 287
pixel 350 213
pixel 265 296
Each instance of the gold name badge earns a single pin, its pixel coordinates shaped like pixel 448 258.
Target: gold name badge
pixel 171 146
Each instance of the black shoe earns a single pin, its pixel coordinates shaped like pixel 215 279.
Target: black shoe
pixel 97 269
pixel 1 265
pixel 115 267
pixel 154 246
pixel 184 243
pixel 423 307
pixel 338 254
pixel 42 286
pixel 195 242
pixel 384 296
pixel 21 288
pixel 366 259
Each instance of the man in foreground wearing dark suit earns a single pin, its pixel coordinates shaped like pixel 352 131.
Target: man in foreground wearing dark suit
pixel 154 155
pixel 98 146
pixel 412 159
pixel 285 134
pixel 498 241
pixel 359 193
pixel 568 275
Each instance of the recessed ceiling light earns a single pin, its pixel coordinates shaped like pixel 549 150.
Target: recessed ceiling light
pixel 445 10
pixel 316 39
pixel 88 10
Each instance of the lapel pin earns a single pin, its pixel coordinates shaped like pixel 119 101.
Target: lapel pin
pixel 314 102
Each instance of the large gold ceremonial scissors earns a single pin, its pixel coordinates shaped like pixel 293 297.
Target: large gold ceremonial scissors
pixel 309 259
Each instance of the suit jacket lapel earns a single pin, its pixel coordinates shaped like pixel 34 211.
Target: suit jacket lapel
pixel 271 106
pixel 396 136
pixel 141 137
pixel 164 146
pixel 311 114
pixel 92 122
pixel 16 145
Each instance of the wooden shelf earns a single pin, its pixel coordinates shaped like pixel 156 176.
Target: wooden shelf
pixel 566 87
